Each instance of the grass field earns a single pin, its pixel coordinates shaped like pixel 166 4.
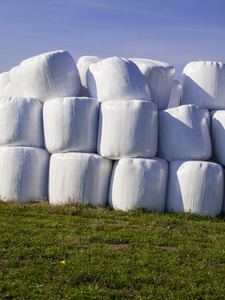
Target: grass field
pixel 81 252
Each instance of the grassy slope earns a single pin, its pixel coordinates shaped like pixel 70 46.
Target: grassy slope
pixel 109 254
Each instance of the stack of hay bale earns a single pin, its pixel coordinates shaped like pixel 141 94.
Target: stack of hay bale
pixel 196 176
pixel 128 133
pixel 115 131
pixel 24 160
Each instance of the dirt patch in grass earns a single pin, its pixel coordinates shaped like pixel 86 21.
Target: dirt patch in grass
pixel 3 261
pixel 103 223
pixel 116 246
pixel 137 226
pixel 169 248
pixel 175 229
pixel 23 261
pixel 124 292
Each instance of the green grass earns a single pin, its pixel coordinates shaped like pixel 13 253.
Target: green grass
pixel 109 254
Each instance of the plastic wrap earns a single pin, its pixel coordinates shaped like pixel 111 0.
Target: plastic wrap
pixel 139 183
pixel 50 75
pixel 218 135
pixel 15 79
pixel 5 85
pixel 203 84
pixel 127 129
pixel 4 79
pixel 24 174
pixel 71 124
pixel 21 122
pixel 159 76
pixel 79 177
pixel 116 78
pixel 223 207
pixel 82 65
pixel 195 186
pixel 184 133
pixel 7 90
pixel 175 95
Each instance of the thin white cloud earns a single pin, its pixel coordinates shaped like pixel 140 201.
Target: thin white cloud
pixel 213 30
pixel 121 7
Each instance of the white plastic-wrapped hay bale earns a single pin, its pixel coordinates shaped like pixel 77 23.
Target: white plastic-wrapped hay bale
pixel 159 76
pixel 7 90
pixel 5 85
pixel 50 75
pixel 24 174
pixel 21 122
pixel 175 94
pixel 127 129
pixel 218 135
pixel 139 183
pixel 203 84
pixel 116 78
pixel 83 64
pixel 184 133
pixel 15 79
pixel 195 186
pixel 4 79
pixel 71 124
pixel 223 207
pixel 79 177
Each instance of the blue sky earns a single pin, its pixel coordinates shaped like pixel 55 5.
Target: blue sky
pixel 174 31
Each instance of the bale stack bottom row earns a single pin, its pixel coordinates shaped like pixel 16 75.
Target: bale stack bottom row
pixel 113 133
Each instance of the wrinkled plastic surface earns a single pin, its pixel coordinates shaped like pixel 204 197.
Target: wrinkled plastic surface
pixel 223 207
pixel 5 85
pixel 127 129
pixel 184 133
pixel 195 185
pixel 203 84
pixel 21 122
pixel 15 79
pixel 82 65
pixel 159 76
pixel 79 177
pixel 175 95
pixel 218 135
pixel 50 75
pixel 116 78
pixel 139 183
pixel 4 79
pixel 71 124
pixel 24 174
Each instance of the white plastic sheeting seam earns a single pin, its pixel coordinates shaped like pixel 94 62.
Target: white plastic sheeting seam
pixel 50 75
pixel 195 186
pixel 175 95
pixel 24 174
pixel 5 85
pixel 4 80
pixel 71 124
pixel 203 84
pixel 21 122
pixel 184 133
pixel 139 183
pixel 159 76
pixel 82 65
pixel 218 135
pixel 116 78
pixel 127 129
pixel 15 79
pixel 79 177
